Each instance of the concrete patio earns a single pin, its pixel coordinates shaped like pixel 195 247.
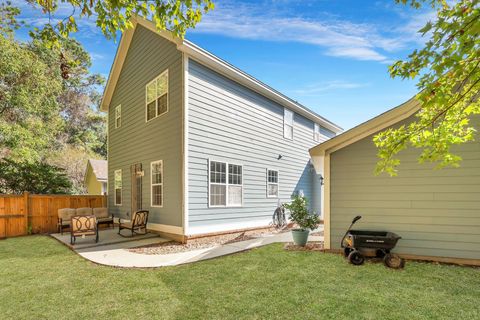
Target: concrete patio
pixel 112 250
pixel 107 238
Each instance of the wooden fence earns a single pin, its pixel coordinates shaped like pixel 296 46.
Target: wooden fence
pixel 36 213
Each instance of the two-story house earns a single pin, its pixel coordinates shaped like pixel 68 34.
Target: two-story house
pixel 205 147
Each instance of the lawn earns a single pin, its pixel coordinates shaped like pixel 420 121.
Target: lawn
pixel 41 279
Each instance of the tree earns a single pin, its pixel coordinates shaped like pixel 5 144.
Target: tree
pixel 448 69
pixel 39 177
pixel 112 16
pixel 29 110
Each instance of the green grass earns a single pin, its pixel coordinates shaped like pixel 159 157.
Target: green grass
pixel 41 279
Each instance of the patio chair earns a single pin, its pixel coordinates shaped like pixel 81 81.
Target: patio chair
pixel 103 217
pixel 84 211
pixel 64 217
pixel 83 226
pixel 138 222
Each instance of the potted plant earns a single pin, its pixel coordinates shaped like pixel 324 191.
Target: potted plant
pixel 304 219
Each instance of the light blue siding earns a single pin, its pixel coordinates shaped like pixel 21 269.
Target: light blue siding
pixel 228 122
pixel 160 139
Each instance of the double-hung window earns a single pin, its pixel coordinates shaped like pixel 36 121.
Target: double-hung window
pixel 157 96
pixel 156 180
pixel 118 116
pixel 316 132
pixel 287 123
pixel 226 184
pixel 118 187
pixel 272 183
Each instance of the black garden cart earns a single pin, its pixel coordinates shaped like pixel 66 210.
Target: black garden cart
pixel 358 244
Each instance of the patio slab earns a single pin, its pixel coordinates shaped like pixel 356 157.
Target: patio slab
pixel 117 254
pixel 108 237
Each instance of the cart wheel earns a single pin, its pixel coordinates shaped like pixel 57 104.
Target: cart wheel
pixel 346 252
pixel 356 258
pixel 393 261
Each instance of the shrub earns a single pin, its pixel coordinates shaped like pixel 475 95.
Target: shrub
pixel 300 215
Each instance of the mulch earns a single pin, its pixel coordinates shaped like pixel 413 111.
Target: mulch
pixel 310 246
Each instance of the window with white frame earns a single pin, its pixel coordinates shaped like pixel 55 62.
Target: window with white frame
pixel 316 132
pixel 226 184
pixel 156 181
pixel 118 116
pixel 272 183
pixel 157 96
pixel 118 187
pixel 287 123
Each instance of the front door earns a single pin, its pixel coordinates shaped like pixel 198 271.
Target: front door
pixel 137 175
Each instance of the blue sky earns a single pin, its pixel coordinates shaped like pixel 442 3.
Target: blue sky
pixel 331 56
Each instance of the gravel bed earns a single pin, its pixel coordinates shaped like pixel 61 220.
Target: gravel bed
pixel 318 233
pixel 200 243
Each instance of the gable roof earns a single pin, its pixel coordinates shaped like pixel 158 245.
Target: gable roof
pixel 210 60
pixel 99 168
pixel 367 128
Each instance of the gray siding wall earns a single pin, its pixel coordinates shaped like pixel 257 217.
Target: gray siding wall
pixel 437 212
pixel 228 122
pixel 159 139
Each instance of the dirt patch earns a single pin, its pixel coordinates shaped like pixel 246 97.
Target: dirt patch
pixel 200 243
pixel 311 246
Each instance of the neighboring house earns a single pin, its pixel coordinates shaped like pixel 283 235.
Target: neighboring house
pixel 203 146
pixel 96 176
pixel 436 212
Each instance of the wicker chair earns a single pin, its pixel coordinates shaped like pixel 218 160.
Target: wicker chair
pixel 138 222
pixel 83 226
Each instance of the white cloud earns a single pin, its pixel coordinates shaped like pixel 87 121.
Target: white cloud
pixel 339 38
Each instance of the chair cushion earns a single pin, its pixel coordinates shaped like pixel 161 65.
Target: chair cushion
pixel 100 212
pixel 66 214
pixel 83 211
pixel 104 219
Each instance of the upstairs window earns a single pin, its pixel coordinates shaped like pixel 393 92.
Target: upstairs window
pixel 272 183
pixel 287 123
pixel 226 184
pixel 157 96
pixel 316 132
pixel 118 187
pixel 156 170
pixel 118 116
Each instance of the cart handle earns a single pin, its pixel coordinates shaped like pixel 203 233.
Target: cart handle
pixel 353 222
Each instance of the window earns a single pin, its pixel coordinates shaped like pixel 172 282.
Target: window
pixel 272 183
pixel 118 187
pixel 118 116
pixel 104 188
pixel 157 96
pixel 287 124
pixel 156 171
pixel 316 132
pixel 226 184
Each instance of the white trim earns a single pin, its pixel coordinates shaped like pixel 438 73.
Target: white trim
pixel 226 184
pixel 278 184
pixel 230 226
pixel 156 184
pixel 115 188
pixel 157 96
pixel 165 228
pixel 118 109
pixel 185 143
pixel 209 60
